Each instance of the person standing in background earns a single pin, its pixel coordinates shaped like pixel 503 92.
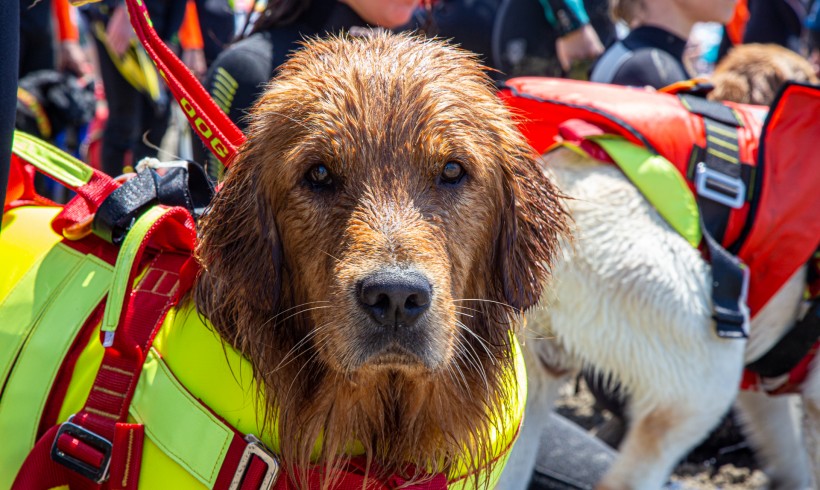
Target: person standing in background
pixel 652 54
pixel 524 37
pixel 137 103
pixel 217 23
pixel 37 40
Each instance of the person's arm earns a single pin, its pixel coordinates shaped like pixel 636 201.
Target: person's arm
pixel 70 56
pixel 565 16
pixel 190 39
pixel 577 40
pixel 235 80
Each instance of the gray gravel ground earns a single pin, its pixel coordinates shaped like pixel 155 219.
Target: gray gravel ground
pixel 724 461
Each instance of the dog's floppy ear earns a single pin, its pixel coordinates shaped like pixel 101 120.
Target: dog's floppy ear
pixel 240 251
pixel 531 222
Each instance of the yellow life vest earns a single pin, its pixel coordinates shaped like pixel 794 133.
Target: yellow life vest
pixel 47 292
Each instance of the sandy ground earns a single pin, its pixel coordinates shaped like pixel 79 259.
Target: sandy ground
pixel 724 461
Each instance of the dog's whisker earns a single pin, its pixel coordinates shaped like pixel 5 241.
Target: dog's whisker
pixel 297 306
pixel 337 259
pixel 486 301
pixel 295 314
pixel 473 359
pixel 461 307
pixel 483 343
pixel 284 362
pixel 304 365
pixel 454 370
pixel 479 366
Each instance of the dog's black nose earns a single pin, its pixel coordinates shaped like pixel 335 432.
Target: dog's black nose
pixel 395 297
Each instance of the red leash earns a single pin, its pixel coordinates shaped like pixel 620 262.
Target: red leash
pixel 214 127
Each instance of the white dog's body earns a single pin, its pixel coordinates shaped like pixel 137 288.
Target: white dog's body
pixel 631 297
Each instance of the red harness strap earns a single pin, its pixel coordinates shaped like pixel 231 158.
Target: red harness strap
pixel 790 383
pixel 96 443
pixel 214 127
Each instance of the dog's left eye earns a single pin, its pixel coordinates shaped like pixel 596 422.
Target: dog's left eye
pixel 452 173
pixel 319 175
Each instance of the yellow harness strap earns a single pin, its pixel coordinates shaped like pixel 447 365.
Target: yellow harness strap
pixel 43 312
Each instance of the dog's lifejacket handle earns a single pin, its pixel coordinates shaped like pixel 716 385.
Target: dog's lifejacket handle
pixel 219 134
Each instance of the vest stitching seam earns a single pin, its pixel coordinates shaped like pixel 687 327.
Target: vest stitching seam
pixel 128 458
pixel 102 413
pixel 116 370
pixel 108 392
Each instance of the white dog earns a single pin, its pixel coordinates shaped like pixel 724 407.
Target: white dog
pixel 631 298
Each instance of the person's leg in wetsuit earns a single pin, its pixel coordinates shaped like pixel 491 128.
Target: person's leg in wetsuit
pixel 124 107
pixel 36 37
pixel 131 112
pixel 9 59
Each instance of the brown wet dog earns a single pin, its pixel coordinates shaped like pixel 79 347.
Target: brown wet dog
pixel 372 248
pixel 753 73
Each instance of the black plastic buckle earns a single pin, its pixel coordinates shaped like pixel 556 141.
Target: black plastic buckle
pixel 97 475
pixel 256 448
pixel 730 324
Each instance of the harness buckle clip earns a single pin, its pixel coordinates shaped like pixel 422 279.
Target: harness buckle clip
pixel 97 474
pixel 719 187
pixel 257 449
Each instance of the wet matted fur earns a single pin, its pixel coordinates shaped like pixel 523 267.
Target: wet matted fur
pixel 341 177
pixel 631 299
pixel 754 73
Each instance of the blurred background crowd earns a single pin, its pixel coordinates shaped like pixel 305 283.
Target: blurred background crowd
pixel 87 85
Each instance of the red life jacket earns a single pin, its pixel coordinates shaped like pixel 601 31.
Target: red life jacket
pixel 776 229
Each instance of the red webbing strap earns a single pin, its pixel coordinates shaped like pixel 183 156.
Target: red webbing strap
pixel 126 458
pixel 39 471
pixel 85 203
pixel 220 135
pixel 116 380
pixel 168 276
pixel 353 476
pixel 106 408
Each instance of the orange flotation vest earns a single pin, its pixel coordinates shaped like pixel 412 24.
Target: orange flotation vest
pixel 771 172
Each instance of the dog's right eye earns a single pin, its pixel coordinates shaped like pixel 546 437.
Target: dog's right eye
pixel 319 175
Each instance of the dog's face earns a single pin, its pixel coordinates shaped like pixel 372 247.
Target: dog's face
pixel 391 189
pixel 385 221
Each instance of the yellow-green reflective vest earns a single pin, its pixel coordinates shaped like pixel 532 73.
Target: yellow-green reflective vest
pixel 48 290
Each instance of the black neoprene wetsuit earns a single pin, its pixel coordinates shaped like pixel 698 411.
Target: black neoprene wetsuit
pixel 36 37
pixel 10 40
pixel 647 56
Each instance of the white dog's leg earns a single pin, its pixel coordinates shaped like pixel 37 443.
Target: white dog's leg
pixel 658 439
pixel 772 425
pixel 811 419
